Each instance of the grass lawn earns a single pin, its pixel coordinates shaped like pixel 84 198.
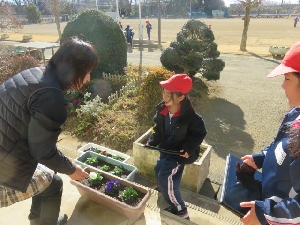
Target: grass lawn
pixel 261 34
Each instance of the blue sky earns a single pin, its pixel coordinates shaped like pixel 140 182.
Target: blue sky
pixel 227 2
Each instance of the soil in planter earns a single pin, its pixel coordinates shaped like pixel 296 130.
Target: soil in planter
pixel 101 188
pixel 101 153
pixel 111 168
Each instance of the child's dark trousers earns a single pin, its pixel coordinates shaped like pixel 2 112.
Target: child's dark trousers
pixel 168 173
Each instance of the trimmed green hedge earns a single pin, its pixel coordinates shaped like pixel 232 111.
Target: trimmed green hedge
pixel 194 52
pixel 105 34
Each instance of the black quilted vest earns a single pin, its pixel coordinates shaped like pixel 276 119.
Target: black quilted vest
pixel 16 163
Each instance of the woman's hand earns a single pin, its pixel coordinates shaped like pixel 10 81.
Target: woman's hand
pixel 185 155
pixel 248 159
pixel 79 174
pixel 250 218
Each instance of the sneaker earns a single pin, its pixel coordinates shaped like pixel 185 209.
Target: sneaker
pixel 182 213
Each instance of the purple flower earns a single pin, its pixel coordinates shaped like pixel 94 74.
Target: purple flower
pixel 75 102
pixel 112 186
pixel 92 149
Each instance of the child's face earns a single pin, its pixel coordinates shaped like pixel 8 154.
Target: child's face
pixel 167 98
pixel 291 86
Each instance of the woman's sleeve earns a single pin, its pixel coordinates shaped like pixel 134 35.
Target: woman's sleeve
pixel 284 211
pixel 48 113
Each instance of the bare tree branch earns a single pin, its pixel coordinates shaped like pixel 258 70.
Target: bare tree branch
pixel 8 20
pixel 55 7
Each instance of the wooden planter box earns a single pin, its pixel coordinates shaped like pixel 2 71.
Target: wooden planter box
pixel 194 174
pixel 108 150
pixel 81 159
pixel 130 212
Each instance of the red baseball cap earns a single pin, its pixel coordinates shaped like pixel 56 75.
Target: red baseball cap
pixel 178 83
pixel 290 62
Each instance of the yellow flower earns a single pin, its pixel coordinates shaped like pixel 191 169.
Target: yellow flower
pixel 152 130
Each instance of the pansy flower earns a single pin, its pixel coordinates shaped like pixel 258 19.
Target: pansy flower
pixel 112 186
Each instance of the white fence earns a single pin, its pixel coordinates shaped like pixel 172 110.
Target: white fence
pixel 114 96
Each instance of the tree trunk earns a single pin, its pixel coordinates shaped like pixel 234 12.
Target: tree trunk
pixel 58 26
pixel 245 30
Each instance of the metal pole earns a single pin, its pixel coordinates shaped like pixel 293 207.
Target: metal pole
pixel 140 40
pixel 191 9
pixel 117 10
pixel 159 24
pixel 140 24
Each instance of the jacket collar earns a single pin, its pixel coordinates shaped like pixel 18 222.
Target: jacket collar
pixel 163 109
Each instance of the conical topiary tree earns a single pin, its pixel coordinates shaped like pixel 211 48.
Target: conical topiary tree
pixel 105 34
pixel 194 52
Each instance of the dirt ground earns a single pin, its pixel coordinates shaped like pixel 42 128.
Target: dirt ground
pixel 261 34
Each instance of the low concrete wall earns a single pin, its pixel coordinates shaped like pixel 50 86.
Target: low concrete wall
pixel 194 174
pixel 144 41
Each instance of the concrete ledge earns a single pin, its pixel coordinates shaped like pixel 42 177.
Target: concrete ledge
pixel 144 41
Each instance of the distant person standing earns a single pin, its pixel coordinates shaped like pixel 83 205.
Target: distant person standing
pixel 127 30
pixel 149 27
pixel 129 34
pixel 296 21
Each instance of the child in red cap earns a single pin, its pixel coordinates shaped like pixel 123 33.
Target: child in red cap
pixel 179 129
pixel 280 162
pixel 148 27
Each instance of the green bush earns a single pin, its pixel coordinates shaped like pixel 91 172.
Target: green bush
pixel 13 64
pixel 150 93
pixel 32 13
pixel 194 52
pixel 105 34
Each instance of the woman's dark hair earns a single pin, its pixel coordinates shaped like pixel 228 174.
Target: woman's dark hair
pixel 72 62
